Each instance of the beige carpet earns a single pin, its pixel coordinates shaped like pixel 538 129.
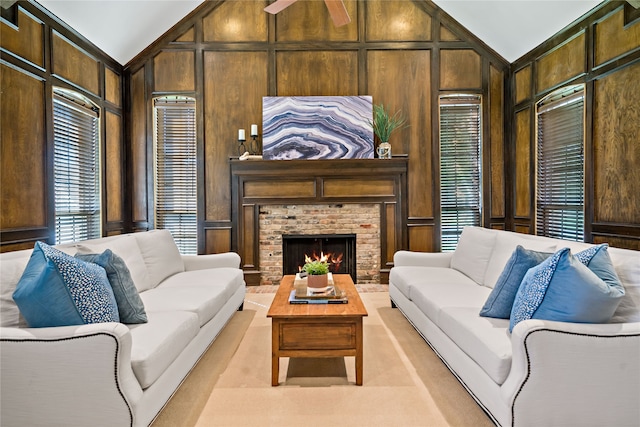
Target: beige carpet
pixel 405 384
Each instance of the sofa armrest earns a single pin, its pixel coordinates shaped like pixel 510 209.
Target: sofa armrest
pixel 574 374
pixel 422 259
pixel 201 262
pixel 71 375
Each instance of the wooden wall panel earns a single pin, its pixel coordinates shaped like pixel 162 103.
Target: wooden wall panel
pixel 523 84
pixel 616 143
pixel 234 84
pixel 460 69
pixel 174 71
pixel 74 64
pixel 612 29
pixel 412 97
pixel 27 40
pixel 114 168
pixel 113 89
pixel 23 151
pixel 187 36
pixel 236 21
pixel 396 20
pixel 421 238
pixel 217 240
pixel 310 21
pixel 139 146
pixel 561 64
pixel 618 242
pixel 497 165
pixel 313 73
pixel 523 164
pixel 447 35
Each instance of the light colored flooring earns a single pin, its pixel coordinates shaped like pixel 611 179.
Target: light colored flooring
pixel 364 288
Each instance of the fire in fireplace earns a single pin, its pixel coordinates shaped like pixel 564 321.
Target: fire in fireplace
pixel 338 249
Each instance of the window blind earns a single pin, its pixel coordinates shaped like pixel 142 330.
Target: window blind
pixel 460 166
pixel 76 168
pixel 175 170
pixel 560 167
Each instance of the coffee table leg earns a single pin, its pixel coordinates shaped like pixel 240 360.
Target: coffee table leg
pixel 359 352
pixel 275 358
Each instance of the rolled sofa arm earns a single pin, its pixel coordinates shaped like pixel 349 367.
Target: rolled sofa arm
pixel 71 376
pixel 422 259
pixel 574 374
pixel 201 262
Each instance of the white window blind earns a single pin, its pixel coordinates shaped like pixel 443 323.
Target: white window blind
pixel 76 167
pixel 560 166
pixel 460 166
pixel 175 170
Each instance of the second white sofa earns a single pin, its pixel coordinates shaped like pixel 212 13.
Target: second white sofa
pixel 112 374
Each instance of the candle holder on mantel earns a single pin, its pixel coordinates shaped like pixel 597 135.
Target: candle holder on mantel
pixel 255 146
pixel 241 148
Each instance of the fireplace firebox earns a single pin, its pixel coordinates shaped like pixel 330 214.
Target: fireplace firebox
pixel 339 250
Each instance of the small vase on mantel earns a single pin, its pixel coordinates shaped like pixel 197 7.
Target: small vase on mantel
pixel 384 150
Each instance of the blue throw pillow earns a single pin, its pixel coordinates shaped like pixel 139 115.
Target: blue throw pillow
pixel 130 306
pixel 562 288
pixel 501 299
pixel 57 289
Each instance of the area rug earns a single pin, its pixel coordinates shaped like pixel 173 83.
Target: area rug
pixel 405 383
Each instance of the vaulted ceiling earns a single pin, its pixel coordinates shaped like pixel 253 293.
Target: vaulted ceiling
pixel 124 28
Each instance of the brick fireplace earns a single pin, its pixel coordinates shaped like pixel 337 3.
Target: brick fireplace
pixel 365 197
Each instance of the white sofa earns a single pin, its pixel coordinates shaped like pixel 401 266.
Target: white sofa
pixel 544 373
pixel 112 374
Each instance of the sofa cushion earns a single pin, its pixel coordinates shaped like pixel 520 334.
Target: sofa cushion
pixel 230 279
pixel 506 243
pixel 405 278
pixel 11 268
pixel 562 288
pixel 157 343
pixel 57 289
pixel 501 299
pixel 627 265
pixel 472 254
pixel 204 301
pixel 161 255
pixel 126 248
pixel 485 340
pixel 130 307
pixel 432 297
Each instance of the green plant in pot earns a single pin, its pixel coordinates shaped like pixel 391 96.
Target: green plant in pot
pixel 384 123
pixel 317 275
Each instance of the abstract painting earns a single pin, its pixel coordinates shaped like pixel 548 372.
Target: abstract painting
pixel 317 127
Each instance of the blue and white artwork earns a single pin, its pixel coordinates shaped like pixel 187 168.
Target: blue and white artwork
pixel 317 127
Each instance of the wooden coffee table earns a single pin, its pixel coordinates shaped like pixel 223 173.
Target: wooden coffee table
pixel 316 330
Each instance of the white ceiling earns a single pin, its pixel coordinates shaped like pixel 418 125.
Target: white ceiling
pixel 124 28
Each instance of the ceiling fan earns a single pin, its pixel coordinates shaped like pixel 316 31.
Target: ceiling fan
pixel 336 8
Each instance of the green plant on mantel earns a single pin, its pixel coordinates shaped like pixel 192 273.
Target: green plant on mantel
pixel 384 123
pixel 316 268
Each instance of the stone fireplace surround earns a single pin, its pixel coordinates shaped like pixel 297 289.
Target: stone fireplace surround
pixel 268 185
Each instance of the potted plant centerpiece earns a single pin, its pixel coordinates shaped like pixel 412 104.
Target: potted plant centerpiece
pixel 383 125
pixel 317 275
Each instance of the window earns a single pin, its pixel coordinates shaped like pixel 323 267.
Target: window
pixel 560 165
pixel 175 170
pixel 460 166
pixel 76 167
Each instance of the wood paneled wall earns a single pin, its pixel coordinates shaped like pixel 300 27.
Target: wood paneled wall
pixel 39 53
pixel 229 54
pixel 604 54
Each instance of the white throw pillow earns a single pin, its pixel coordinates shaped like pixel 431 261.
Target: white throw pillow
pixel 161 255
pixel 126 248
pixel 473 252
pixel 506 243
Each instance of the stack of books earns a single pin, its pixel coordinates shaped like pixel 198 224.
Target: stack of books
pixel 303 295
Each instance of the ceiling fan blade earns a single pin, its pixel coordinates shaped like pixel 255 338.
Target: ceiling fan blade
pixel 338 12
pixel 279 5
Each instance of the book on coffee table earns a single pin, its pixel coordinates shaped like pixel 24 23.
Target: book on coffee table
pixel 339 298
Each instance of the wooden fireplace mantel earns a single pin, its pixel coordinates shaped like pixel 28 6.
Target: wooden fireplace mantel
pixel 256 183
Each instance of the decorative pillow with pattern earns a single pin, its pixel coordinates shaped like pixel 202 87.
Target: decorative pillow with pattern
pixel 562 288
pixel 57 289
